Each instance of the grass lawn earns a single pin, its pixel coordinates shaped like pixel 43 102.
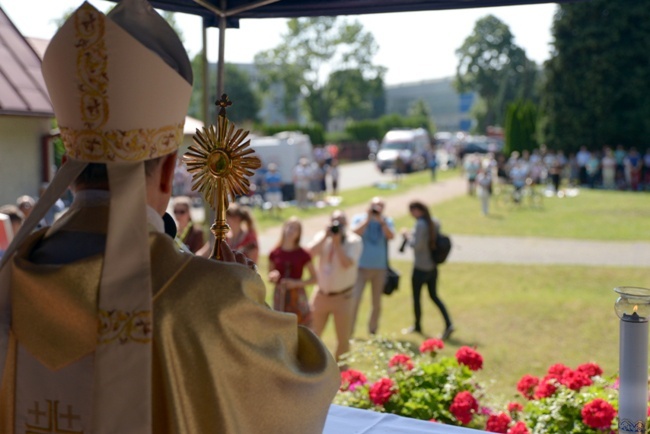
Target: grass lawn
pixel 522 319
pixel 351 197
pixel 591 215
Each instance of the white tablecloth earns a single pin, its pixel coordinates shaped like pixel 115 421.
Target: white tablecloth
pixel 348 420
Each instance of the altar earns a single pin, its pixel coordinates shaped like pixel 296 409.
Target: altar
pixel 348 420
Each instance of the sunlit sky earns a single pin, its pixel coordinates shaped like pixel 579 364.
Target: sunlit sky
pixel 414 46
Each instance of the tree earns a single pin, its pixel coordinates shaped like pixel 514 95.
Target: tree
pixel 520 127
pixel 315 60
pixel 598 78
pixel 355 97
pixel 491 64
pixel 246 101
pixel 420 113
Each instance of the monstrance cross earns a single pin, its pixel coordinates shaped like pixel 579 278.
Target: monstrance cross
pixel 221 163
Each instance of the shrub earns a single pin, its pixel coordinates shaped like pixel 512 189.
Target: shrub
pixel 426 385
pixel 422 385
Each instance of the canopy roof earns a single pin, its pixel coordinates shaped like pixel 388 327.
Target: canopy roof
pixel 237 9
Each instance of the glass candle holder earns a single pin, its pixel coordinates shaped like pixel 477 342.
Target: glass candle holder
pixel 633 309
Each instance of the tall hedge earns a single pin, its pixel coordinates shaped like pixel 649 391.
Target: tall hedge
pixel 520 127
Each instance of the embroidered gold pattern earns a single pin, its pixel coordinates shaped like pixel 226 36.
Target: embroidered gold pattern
pixel 92 64
pixel 118 145
pixel 91 142
pixel 123 327
pixel 53 420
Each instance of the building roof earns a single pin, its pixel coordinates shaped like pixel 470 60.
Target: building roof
pixel 22 88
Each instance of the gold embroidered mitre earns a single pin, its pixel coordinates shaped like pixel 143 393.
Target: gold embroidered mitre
pixel 114 98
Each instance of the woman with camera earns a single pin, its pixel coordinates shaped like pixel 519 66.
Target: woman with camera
pixel 425 270
pixel 375 230
pixel 339 250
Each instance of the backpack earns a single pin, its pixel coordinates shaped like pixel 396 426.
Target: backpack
pixel 443 247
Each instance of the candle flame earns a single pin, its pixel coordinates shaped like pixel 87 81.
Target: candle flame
pixel 635 308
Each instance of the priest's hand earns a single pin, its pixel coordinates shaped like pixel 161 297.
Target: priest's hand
pixel 229 255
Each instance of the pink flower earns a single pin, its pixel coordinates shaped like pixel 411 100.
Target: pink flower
pixel 401 361
pixel 575 380
pixel 350 379
pixel 470 358
pixel 463 407
pixel 546 387
pixel 526 386
pixel 514 407
pixel 590 369
pixel 518 428
pixel 498 423
pixel 430 346
pixel 381 391
pixel 486 411
pixel 598 414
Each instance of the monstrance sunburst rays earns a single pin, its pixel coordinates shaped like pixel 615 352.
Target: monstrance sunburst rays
pixel 221 163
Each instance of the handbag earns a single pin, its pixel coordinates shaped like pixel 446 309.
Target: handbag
pixel 391 284
pixel 392 281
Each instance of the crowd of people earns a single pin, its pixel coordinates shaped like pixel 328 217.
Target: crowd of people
pixel 555 171
pixel 608 168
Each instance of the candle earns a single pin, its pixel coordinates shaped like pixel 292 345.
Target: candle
pixel 633 359
pixel 633 389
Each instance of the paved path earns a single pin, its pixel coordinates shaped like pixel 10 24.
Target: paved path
pixel 512 250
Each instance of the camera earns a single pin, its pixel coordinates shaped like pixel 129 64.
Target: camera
pixel 374 210
pixel 335 228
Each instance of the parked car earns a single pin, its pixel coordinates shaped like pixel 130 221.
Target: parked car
pixel 480 145
pixel 410 145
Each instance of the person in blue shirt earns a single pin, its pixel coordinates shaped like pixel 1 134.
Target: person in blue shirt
pixel 273 188
pixel 375 230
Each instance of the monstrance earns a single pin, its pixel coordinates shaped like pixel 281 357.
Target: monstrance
pixel 221 163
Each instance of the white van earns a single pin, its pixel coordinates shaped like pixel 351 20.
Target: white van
pixel 412 146
pixel 285 149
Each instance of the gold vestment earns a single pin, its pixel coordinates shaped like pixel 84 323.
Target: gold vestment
pixel 223 361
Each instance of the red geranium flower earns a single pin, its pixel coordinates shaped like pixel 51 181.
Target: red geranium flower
pixel 598 414
pixel 401 361
pixel 590 369
pixel 431 346
pixel 469 357
pixel 350 379
pixel 575 380
pixel 463 407
pixel 519 428
pixel 558 370
pixel 514 407
pixel 527 385
pixel 546 387
pixel 381 391
pixel 498 423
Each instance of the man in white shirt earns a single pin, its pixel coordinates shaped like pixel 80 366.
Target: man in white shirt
pixel 339 250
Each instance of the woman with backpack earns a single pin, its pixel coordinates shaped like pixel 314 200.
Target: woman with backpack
pixel 425 270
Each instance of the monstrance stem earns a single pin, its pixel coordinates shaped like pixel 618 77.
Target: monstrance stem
pixel 219 228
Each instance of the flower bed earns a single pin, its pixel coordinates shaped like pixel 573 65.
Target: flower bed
pixel 425 384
